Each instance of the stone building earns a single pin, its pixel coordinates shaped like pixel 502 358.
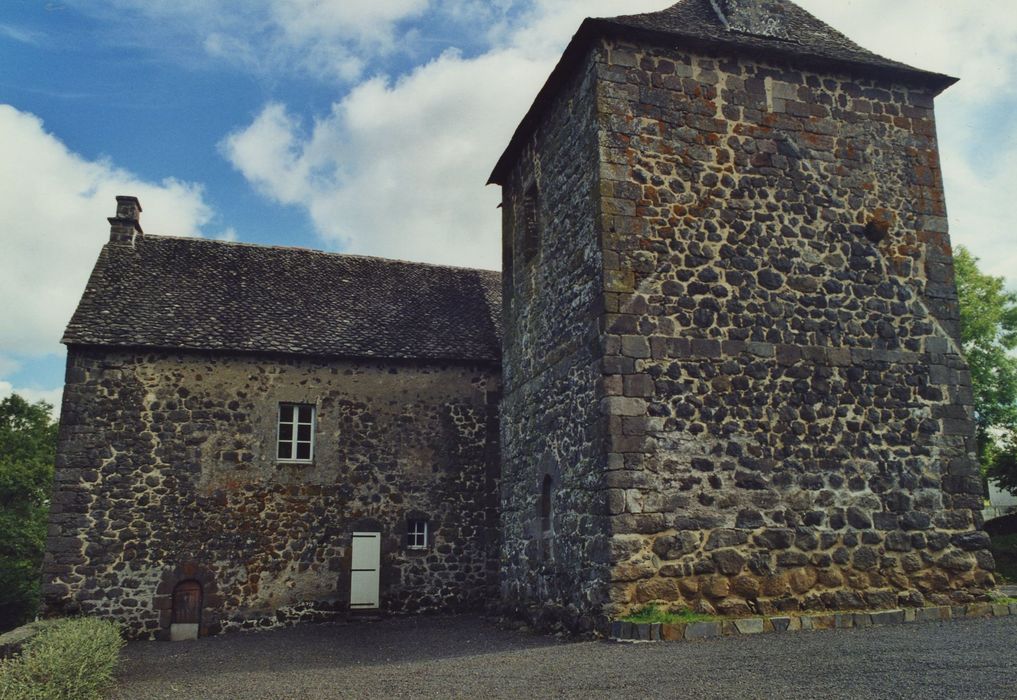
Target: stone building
pixel 731 362
pixel 729 376
pixel 273 434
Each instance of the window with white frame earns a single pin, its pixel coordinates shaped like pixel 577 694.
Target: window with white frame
pixel 296 432
pixel 416 534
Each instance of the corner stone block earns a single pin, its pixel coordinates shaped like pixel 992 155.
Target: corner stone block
pixel 1001 610
pixel 636 346
pixel 619 281
pixel 622 406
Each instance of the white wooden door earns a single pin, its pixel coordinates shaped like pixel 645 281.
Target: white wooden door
pixel 365 570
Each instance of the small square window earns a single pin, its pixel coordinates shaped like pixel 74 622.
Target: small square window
pixel 416 534
pixel 296 432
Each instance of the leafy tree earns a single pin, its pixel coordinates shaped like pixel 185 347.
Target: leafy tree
pixel 989 335
pixel 27 453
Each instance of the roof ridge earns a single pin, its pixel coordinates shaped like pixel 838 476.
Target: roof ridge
pixel 739 6
pixel 314 251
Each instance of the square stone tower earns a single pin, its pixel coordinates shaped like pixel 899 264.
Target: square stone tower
pixel 731 365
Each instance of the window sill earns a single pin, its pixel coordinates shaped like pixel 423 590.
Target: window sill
pixel 294 463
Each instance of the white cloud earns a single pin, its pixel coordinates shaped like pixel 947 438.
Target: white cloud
pixel 20 34
pixel 51 396
pixel 398 168
pixel 54 205
pixel 333 39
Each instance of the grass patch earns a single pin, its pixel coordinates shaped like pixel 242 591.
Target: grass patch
pixel 70 659
pixel 654 614
pixel 1004 549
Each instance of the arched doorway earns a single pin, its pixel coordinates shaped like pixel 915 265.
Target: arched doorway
pixel 187 601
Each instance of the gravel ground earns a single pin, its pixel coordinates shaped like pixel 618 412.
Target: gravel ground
pixel 468 657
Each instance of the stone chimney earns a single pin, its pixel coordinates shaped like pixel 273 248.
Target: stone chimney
pixel 125 227
pixel 765 18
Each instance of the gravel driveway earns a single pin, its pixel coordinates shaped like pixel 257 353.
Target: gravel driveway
pixel 468 657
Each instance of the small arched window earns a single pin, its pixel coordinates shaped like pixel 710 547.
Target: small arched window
pixel 545 503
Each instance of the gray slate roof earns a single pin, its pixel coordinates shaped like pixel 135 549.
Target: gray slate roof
pixel 803 35
pixel 187 293
pixel 696 24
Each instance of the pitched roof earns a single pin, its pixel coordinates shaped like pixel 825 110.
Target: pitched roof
pixel 794 32
pixel 186 293
pixel 698 24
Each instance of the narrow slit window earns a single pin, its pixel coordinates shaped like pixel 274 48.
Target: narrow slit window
pixel 296 432
pixel 416 534
pixel 531 221
pixel 545 504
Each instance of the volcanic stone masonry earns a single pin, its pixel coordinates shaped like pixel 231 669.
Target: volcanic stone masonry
pixel 167 472
pixel 727 374
pixel 745 266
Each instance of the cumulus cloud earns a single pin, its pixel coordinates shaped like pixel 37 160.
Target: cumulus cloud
pixel 50 396
pixel 397 167
pixel 332 39
pixel 54 205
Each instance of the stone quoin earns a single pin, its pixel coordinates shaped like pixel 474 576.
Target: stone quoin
pixel 720 370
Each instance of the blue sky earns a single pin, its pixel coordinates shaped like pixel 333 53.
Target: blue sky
pixel 366 126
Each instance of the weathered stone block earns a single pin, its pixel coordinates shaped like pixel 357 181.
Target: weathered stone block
pixel 703 630
pixel 888 617
pixel 749 626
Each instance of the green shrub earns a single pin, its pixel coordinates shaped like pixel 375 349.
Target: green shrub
pixel 653 614
pixel 70 659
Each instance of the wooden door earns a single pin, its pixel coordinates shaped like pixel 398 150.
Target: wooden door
pixel 365 573
pixel 187 603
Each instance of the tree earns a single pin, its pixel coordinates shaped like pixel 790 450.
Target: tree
pixel 27 454
pixel 989 336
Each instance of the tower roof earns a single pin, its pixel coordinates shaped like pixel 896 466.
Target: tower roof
pixel 774 29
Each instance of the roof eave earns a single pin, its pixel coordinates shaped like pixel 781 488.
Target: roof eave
pixel 597 28
pixel 493 358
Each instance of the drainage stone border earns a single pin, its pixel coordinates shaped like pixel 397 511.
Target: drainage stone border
pixel 692 631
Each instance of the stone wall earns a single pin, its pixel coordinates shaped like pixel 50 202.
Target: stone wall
pixel 790 421
pixel 551 425
pixel 167 472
